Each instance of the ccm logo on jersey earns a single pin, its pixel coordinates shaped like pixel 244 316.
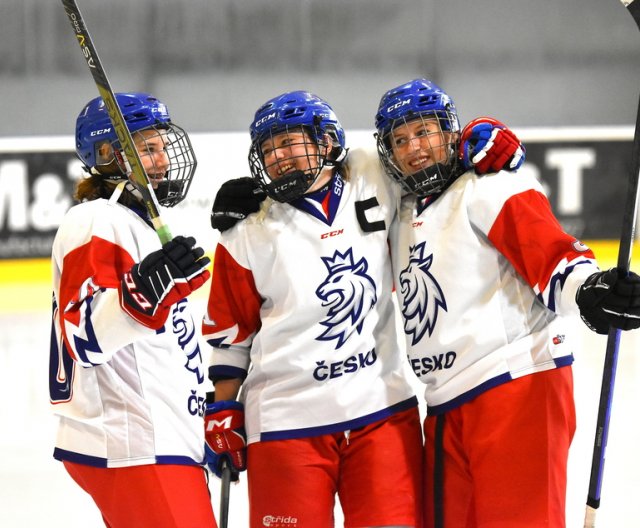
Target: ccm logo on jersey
pixel 332 233
pixel 422 366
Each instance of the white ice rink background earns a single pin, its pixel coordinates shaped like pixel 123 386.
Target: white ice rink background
pixel 35 490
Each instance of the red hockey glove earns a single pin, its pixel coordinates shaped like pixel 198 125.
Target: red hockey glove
pixel 487 145
pixel 161 279
pixel 225 437
pixel 610 298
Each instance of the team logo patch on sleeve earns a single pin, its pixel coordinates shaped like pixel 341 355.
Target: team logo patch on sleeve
pixel 579 246
pixel 422 296
pixel 349 293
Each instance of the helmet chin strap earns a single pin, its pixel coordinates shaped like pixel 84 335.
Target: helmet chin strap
pixel 119 186
pixel 129 185
pixel 339 159
pixel 329 165
pixel 290 186
pixel 297 183
pixel 117 192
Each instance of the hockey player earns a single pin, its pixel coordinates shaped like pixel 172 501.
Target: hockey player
pixel 485 276
pixel 300 315
pixel 126 377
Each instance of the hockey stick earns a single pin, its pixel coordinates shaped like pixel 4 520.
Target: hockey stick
pixel 613 341
pixel 132 158
pixel 225 494
pixel 226 476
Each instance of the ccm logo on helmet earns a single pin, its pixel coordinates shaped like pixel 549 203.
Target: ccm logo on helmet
pixel 100 132
pixel 265 118
pixel 398 105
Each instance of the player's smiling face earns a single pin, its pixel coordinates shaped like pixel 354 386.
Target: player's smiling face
pixel 418 144
pixel 151 146
pixel 290 151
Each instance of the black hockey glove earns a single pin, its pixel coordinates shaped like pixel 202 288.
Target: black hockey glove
pixel 161 279
pixel 608 298
pixel 236 199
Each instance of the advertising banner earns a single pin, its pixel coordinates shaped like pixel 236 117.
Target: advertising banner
pixel 584 172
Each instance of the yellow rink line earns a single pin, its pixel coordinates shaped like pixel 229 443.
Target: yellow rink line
pixel 25 285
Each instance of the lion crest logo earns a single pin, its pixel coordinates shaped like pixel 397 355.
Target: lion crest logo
pixel 349 293
pixel 184 328
pixel 422 296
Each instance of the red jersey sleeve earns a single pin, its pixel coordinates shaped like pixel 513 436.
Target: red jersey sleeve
pixel 233 314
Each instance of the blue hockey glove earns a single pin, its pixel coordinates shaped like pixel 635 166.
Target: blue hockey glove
pixel 610 298
pixel 225 437
pixel 236 199
pixel 487 145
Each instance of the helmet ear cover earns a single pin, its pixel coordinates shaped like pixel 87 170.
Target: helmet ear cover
pixel 104 153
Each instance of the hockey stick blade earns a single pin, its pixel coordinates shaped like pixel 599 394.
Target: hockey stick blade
pixel 132 158
pixel 613 340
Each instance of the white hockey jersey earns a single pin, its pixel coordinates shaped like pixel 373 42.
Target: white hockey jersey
pixel 125 395
pixel 483 276
pixel 301 299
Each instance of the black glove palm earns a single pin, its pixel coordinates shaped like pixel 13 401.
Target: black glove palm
pixel 608 298
pixel 235 200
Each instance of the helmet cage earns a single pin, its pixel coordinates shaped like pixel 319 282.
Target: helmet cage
pixel 178 171
pixel 290 185
pixel 431 179
pixel 294 112
pixel 414 100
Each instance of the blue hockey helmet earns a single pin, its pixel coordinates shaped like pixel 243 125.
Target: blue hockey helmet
pixel 288 112
pixel 141 111
pixel 414 98
pixel 411 101
pixel 295 109
pixel 93 126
